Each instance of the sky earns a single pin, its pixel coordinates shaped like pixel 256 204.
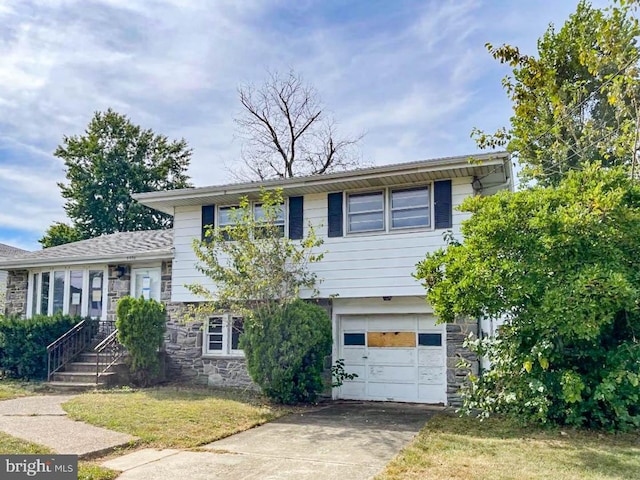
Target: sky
pixel 413 76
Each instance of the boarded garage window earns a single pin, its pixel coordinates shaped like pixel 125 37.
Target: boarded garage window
pixel 354 338
pixel 430 339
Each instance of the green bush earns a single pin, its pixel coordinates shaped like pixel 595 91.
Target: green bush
pixel 23 343
pixel 141 327
pixel 285 348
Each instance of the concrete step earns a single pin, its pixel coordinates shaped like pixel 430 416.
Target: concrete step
pixel 87 366
pixel 82 377
pixel 73 386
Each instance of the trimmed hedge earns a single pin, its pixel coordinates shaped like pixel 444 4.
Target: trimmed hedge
pixel 23 343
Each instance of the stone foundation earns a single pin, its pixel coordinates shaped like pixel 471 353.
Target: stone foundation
pixel 456 377
pixel 16 296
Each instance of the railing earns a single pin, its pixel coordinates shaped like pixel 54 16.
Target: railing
pixel 69 345
pixel 108 352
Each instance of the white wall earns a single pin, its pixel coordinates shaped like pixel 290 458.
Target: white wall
pixel 363 265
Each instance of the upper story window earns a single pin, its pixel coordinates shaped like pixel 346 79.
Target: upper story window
pixel 222 335
pixel 259 216
pixel 410 208
pixel 69 291
pixel 365 212
pixel 226 218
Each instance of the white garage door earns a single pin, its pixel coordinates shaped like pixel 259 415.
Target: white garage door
pixel 397 358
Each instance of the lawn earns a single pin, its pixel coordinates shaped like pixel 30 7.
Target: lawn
pixel 450 447
pixel 172 417
pixel 86 470
pixel 13 389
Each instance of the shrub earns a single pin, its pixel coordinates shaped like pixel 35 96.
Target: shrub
pixel 141 326
pixel 23 343
pixel 285 347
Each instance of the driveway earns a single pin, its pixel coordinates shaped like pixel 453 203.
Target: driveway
pixel 348 440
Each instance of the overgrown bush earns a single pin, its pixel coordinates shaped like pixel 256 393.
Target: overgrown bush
pixel 285 347
pixel 141 327
pixel 23 343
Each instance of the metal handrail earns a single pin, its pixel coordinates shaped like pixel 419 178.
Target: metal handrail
pixel 111 347
pixel 68 346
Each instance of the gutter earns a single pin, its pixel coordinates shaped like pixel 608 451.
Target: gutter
pixel 64 261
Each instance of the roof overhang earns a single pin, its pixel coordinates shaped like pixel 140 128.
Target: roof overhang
pixel 156 255
pixel 494 168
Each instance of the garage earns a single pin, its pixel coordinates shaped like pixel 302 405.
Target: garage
pixel 400 358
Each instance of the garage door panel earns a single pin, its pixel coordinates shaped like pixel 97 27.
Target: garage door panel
pixel 391 374
pixel 431 375
pixel 353 355
pixel 392 391
pixel 431 357
pixel 359 370
pixel 391 356
pixel 353 389
pixel 387 323
pixel 428 394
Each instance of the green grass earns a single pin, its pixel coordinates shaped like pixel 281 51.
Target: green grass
pixel 450 447
pixel 172 417
pixel 86 470
pixel 13 389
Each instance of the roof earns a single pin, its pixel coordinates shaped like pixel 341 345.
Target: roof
pixel 7 251
pixel 116 247
pixel 494 168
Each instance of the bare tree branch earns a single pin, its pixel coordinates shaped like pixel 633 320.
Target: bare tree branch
pixel 285 133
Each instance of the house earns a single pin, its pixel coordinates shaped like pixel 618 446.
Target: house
pixel 376 223
pixel 6 252
pixel 88 277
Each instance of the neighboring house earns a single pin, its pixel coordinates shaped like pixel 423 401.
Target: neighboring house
pixel 88 277
pixel 376 223
pixel 6 252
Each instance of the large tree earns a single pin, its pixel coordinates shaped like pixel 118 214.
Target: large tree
pixel 578 99
pixel 287 133
pixel 561 266
pixel 112 160
pixel 60 233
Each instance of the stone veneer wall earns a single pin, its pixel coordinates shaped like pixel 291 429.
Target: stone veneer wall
pixel 16 294
pixel 456 377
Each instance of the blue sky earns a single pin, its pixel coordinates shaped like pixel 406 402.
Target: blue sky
pixel 414 76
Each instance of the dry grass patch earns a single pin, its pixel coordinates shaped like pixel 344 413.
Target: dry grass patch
pixel 86 470
pixel 12 389
pixel 450 447
pixel 171 417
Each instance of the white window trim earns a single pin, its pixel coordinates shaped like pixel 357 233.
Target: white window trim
pixel 387 211
pixel 84 307
pixel 227 325
pixel 382 212
pixel 390 210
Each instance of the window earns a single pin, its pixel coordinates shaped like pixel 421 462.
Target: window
pixel 222 335
pixel 259 216
pixel 74 292
pixel 410 208
pixel 365 212
pixel 226 218
pixel 145 282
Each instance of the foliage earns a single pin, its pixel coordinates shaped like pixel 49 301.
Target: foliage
pixel 578 100
pixel 58 234
pixel 339 374
pixel 286 132
pixel 23 343
pixel 141 327
pixel 251 263
pixel 111 161
pixel 562 266
pixel 285 348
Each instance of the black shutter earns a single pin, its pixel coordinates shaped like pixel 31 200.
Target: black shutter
pixel 208 219
pixel 335 214
pixel 296 217
pixel 443 203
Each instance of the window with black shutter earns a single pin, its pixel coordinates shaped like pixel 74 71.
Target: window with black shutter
pixel 296 217
pixel 335 221
pixel 208 220
pixel 442 204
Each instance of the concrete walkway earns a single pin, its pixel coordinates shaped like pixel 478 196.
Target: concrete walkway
pixel 42 420
pixel 352 440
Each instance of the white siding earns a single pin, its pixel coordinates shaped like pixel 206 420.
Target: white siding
pixel 362 265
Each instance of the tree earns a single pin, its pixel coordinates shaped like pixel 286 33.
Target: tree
pixel 578 101
pixel 562 266
pixel 251 263
pixel 58 234
pixel 287 134
pixel 112 160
